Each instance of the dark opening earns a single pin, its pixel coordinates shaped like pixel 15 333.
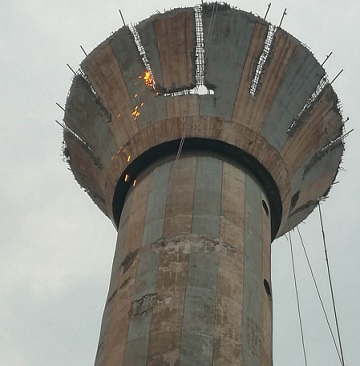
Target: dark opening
pixel 266 208
pixel 267 288
pixel 294 199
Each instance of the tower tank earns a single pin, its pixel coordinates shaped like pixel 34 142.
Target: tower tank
pixel 203 134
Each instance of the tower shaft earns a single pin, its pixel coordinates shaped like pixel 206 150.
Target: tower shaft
pixel 190 283
pixel 191 273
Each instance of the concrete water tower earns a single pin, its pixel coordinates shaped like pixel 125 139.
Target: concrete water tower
pixel 203 134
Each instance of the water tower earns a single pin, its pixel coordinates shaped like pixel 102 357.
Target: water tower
pixel 203 134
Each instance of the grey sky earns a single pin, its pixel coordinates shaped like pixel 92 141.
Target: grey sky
pixel 56 248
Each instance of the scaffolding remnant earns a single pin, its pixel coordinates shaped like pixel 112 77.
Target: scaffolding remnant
pixel 262 59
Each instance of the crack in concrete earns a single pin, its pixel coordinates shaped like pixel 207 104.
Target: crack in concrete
pixel 128 281
pixel 142 306
pixel 190 243
pixel 129 260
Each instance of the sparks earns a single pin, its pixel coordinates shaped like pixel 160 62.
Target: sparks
pixel 128 158
pixel 136 113
pixel 126 177
pixel 134 183
pixel 149 80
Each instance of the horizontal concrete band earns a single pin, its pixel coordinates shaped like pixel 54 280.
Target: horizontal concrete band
pixel 192 254
pixel 225 151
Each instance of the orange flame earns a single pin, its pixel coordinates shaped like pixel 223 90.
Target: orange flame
pixel 149 80
pixel 136 113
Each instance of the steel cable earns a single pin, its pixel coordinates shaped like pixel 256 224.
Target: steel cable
pixel 211 28
pixel 318 293
pixel 297 299
pixel 331 287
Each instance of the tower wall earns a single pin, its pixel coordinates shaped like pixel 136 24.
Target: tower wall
pixel 295 138
pixel 192 253
pixel 190 283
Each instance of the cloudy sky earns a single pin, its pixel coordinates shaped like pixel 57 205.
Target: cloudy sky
pixel 56 247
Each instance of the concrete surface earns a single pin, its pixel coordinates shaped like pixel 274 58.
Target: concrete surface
pixel 190 294
pixel 190 283
pixel 289 77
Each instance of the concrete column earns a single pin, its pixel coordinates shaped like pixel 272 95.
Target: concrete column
pixel 190 283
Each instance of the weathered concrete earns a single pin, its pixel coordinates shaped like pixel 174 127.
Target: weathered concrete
pixel 289 77
pixel 177 293
pixel 299 82
pixel 230 40
pixel 191 282
pixel 176 44
pixel 252 313
pixel 206 212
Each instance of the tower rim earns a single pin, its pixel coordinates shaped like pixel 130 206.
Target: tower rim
pixel 199 145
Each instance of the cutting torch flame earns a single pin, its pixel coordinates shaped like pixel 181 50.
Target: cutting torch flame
pixel 136 112
pixel 149 80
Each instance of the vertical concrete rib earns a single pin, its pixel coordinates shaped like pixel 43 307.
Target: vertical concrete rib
pixel 125 50
pixel 146 30
pixel 146 276
pixel 207 199
pixel 123 299
pixel 251 112
pixel 167 317
pixel 116 270
pixel 253 276
pixel 199 311
pixel 238 29
pixel 301 79
pixel 102 70
pixel 229 301
pixel 155 213
pixel 267 292
pixel 128 58
pixel 244 101
pixel 179 206
pixel 176 45
pixel 92 125
pixel 319 124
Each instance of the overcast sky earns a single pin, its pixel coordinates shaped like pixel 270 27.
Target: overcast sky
pixel 56 247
